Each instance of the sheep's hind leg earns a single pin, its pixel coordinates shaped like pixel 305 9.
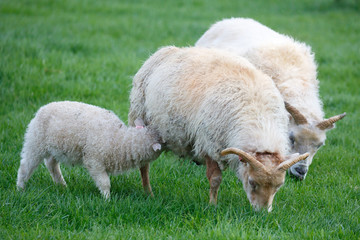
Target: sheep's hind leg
pixel 102 181
pixel 54 168
pixel 145 179
pixel 213 173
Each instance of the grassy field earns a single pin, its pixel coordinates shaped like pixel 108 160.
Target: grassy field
pixel 88 50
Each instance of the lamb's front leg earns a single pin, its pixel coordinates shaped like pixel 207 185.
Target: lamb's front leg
pixel 54 168
pixel 144 171
pixel 102 180
pixel 213 173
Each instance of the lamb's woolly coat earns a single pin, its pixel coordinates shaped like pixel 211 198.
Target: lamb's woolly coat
pixel 202 101
pixel 81 134
pixel 288 62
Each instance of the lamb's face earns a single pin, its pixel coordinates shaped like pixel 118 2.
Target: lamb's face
pixel 156 140
pixel 152 136
pixel 305 138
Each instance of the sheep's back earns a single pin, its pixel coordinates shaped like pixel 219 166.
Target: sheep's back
pixel 291 64
pixel 200 99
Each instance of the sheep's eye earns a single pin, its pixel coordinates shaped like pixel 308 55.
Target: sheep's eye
pixel 292 139
pixel 253 184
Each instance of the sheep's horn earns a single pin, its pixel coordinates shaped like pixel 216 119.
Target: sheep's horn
pixel 288 163
pixel 296 114
pixel 329 122
pixel 246 157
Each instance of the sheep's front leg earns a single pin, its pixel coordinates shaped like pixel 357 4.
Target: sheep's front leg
pixel 144 171
pixel 213 173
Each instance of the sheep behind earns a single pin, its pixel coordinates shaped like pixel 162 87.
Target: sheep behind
pixel 75 133
pixel 291 65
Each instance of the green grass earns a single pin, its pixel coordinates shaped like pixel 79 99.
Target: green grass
pixel 88 50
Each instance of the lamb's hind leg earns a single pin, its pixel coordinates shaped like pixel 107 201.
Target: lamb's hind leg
pixel 54 168
pixel 145 179
pixel 30 160
pixel 213 173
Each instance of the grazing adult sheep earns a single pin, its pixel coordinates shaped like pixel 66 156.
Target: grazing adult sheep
pixel 81 134
pixel 292 67
pixel 209 103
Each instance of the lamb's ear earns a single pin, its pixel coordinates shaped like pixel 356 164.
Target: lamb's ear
pixel 156 147
pixel 139 123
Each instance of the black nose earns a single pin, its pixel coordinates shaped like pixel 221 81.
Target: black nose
pixel 301 170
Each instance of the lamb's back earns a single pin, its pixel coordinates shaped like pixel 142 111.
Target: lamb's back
pixel 75 128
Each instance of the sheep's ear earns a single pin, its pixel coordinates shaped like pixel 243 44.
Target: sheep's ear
pixel 156 146
pixel 139 123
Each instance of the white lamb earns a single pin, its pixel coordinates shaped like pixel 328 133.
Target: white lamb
pixel 209 103
pixel 292 67
pixel 81 134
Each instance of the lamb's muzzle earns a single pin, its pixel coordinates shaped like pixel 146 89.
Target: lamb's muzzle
pixel 329 122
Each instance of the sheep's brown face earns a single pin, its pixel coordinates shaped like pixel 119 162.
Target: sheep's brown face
pixel 307 137
pixel 262 174
pixel 261 187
